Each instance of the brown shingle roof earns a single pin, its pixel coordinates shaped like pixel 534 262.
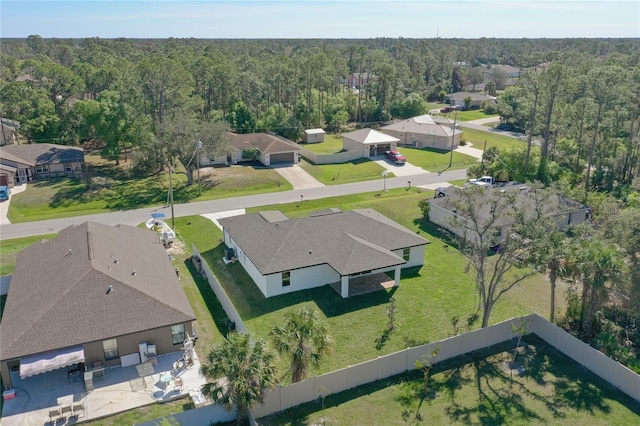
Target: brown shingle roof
pixel 350 241
pixel 45 153
pixel 58 295
pixel 422 125
pixel 266 143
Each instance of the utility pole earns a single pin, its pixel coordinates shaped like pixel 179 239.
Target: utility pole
pixel 198 148
pixel 453 139
pixel 173 221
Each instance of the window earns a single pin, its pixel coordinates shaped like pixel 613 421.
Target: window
pixel 177 334
pixel 68 168
pixel 110 349
pixel 286 279
pixel 406 254
pixel 42 168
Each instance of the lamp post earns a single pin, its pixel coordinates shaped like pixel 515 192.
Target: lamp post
pixel 173 221
pixel 453 138
pixel 384 178
pixel 198 148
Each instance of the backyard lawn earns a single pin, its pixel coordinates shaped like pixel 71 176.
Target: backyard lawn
pixel 470 115
pixel 353 171
pixel 114 188
pixel 477 389
pixel 428 300
pixel 332 145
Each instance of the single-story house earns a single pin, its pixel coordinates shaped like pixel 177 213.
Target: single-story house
pixel 283 255
pixel 369 142
pixel 7 174
pixel 425 131
pixel 313 136
pixel 94 293
pixel 508 70
pixel 41 160
pixel 442 208
pixel 477 99
pixel 360 79
pixel 8 132
pixel 270 150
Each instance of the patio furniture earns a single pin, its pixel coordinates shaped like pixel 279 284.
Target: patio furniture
pixel 54 414
pixel 98 373
pixel 177 384
pixel 145 369
pixel 65 411
pixel 78 407
pixel 165 378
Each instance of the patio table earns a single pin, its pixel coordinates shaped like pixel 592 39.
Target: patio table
pixel 166 378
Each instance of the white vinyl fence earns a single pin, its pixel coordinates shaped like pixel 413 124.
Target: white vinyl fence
pixel 341 157
pixel 228 307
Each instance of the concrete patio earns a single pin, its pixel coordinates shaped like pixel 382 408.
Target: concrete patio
pixel 121 389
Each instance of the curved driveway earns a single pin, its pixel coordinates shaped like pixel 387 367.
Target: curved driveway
pixel 134 217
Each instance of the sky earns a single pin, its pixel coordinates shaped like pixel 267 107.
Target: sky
pixel 320 18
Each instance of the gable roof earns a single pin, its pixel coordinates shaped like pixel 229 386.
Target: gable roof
pixel 370 136
pixel 58 296
pixel 45 153
pixel 348 241
pixel 266 143
pixel 475 97
pixel 423 125
pixel 7 156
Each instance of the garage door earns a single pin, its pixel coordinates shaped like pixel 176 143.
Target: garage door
pixel 285 157
pixel 3 180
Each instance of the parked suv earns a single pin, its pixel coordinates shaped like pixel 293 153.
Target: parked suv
pixel 4 192
pixel 395 157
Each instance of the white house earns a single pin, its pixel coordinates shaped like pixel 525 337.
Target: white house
pixel 284 255
pixel 369 142
pixel 425 131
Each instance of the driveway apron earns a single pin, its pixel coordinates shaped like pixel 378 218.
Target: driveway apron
pixel 297 176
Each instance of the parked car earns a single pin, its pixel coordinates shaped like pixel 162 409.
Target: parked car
pixel 4 192
pixel 445 109
pixel 395 157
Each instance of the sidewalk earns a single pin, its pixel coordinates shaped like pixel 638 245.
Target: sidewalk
pixel 4 205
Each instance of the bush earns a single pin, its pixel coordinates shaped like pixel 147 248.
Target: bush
pixel 489 108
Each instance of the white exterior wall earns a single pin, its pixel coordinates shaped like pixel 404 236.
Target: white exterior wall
pixel 246 263
pixel 351 145
pixel 301 279
pixel 416 256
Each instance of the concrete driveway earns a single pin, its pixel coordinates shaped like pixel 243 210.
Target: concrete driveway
pixel 4 205
pixel 297 176
pixel 401 170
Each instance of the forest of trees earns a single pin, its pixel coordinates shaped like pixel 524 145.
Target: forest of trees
pixel 577 100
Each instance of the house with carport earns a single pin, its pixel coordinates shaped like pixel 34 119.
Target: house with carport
pixel 368 142
pixel 425 131
pixel 95 295
pixel 284 255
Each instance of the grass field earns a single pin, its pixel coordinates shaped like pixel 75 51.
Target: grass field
pixel 332 145
pixel 477 389
pixel 470 115
pixel 9 249
pixel 436 160
pixel 478 138
pixel 353 171
pixel 114 188
pixel 144 414
pixel 427 301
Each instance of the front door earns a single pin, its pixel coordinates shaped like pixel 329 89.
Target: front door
pixel 22 175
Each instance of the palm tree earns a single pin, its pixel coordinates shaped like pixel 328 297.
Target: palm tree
pixel 240 370
pixel 303 337
pixel 599 266
pixel 551 260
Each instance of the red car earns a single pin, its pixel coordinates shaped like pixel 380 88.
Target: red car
pixel 395 157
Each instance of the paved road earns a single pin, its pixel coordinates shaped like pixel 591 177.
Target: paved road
pixel 134 217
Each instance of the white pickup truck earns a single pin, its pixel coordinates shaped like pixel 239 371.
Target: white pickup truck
pixel 481 181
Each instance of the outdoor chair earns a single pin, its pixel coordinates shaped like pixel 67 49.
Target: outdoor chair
pixel 177 384
pixel 54 414
pixel 65 411
pixel 78 408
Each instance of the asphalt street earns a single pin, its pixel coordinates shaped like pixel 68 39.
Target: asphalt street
pixel 135 217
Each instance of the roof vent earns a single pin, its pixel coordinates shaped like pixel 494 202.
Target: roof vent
pixel 115 260
pixel 310 251
pixel 69 253
pixel 133 272
pixel 110 290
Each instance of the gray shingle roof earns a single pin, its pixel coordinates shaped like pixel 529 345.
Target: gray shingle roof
pixel 58 294
pixel 266 143
pixel 370 136
pixel 423 125
pixel 350 241
pixel 45 153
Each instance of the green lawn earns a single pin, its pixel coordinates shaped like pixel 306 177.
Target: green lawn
pixel 114 189
pixel 426 301
pixel 470 115
pixel 145 414
pixel 436 160
pixel 477 389
pixel 478 137
pixel 332 145
pixel 9 249
pixel 353 171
